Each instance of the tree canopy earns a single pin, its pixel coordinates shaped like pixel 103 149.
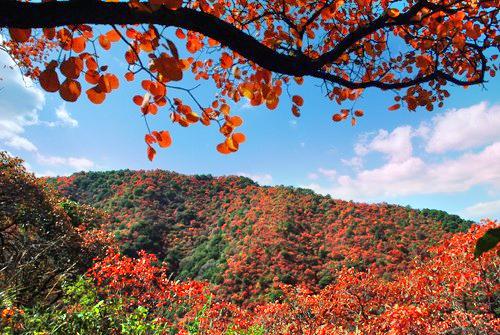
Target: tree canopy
pixel 256 50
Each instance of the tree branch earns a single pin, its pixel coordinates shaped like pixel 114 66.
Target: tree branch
pixel 51 14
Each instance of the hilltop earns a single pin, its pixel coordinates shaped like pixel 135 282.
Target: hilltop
pixel 243 237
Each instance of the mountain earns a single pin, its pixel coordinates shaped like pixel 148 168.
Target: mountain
pixel 242 237
pixel 271 250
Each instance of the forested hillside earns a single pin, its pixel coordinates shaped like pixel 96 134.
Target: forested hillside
pixel 244 237
pixel 290 262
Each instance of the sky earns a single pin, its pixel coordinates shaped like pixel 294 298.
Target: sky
pixel 448 159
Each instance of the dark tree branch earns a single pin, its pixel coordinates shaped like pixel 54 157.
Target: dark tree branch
pixel 51 14
pixel 383 21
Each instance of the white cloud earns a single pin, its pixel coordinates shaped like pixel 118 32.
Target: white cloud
pixel 20 103
pixel 465 128
pixel 328 173
pixel 313 176
pixel 404 173
pixel 75 163
pixel 490 209
pixel 355 162
pixel 396 145
pixel 262 179
pixel 47 173
pixel 19 142
pixel 415 176
pixel 64 116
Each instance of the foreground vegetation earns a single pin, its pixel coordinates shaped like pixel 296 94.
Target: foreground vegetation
pixel 64 272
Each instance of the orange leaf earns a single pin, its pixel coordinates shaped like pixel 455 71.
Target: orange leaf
pixel 168 67
pixel 180 34
pixel 79 44
pixel 49 33
pixel 163 138
pixel 104 42
pixel 49 80
pixel 113 81
pixel 131 57
pixel 70 90
pixel 104 84
pixel 92 77
pixel 239 137
pixel 226 61
pixel 223 149
pixel 192 117
pixel 337 117
pixel 149 139
pixel 158 90
pixel 129 76
pixel 20 35
pixel 232 145
pixel 225 109
pixel 113 36
pixel 393 12
pixel 236 121
pixel 359 113
pixel 138 100
pixel 394 107
pixel 226 129
pixel 95 95
pixel 151 109
pixel 151 153
pixel 91 63
pixel 272 103
pixel 72 67
pixel 298 100
pixel 299 80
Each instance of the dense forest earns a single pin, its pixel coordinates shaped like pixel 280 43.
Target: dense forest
pixel 155 252
pixel 240 236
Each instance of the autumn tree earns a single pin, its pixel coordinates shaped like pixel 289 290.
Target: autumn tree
pixel 44 239
pixel 253 49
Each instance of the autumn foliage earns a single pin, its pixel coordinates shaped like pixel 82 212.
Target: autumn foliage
pixel 44 239
pixel 230 231
pixel 259 51
pixel 254 271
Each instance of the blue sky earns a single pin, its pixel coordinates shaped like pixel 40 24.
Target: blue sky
pixel 447 159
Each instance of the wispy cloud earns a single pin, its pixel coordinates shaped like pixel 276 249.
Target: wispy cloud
pixel 262 179
pixel 329 174
pixel 20 104
pixel 404 172
pixel 75 163
pixel 64 117
pixel 396 145
pixel 489 209
pixel 465 128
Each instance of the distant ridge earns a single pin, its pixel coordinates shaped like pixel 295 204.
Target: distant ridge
pixel 230 230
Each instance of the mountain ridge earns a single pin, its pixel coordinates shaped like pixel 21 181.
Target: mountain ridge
pixel 228 230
